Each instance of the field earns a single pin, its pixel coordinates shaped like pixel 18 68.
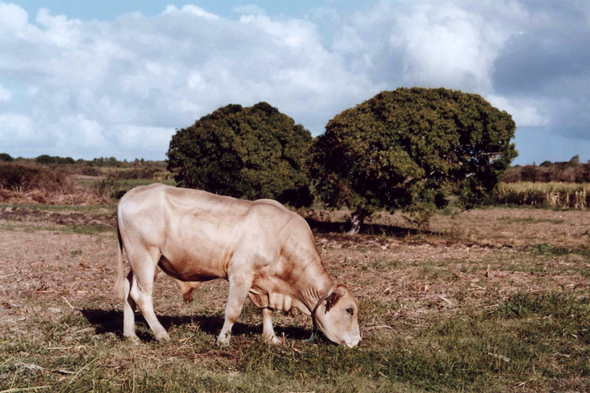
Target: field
pixel 488 300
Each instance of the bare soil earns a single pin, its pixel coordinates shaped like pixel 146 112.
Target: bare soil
pixel 402 277
pixel 475 258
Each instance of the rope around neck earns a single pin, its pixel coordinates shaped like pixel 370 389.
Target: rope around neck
pixel 315 326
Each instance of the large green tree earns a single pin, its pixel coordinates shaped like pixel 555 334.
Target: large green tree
pixel 252 153
pixel 410 150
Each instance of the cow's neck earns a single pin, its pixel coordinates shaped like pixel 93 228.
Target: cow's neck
pixel 316 286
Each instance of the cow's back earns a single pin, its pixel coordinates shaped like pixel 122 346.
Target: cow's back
pixel 198 233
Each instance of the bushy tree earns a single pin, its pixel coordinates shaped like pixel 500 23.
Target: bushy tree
pixel 409 150
pixel 252 153
pixel 6 157
pixel 47 159
pixel 44 159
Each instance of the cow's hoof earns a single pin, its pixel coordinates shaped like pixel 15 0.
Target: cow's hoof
pixel 223 340
pixel 272 340
pixel 132 339
pixel 163 338
pixel 223 343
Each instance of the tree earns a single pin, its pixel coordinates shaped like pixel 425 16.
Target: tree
pixel 252 153
pixel 6 157
pixel 44 159
pixel 409 150
pixel 575 160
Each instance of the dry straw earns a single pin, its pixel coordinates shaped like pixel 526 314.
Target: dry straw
pixel 552 194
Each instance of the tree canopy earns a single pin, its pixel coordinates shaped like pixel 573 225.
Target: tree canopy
pixel 6 157
pixel 410 149
pixel 255 152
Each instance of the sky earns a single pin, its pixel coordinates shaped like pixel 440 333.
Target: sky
pixel 90 79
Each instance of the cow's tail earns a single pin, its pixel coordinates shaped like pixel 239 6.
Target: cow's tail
pixel 119 289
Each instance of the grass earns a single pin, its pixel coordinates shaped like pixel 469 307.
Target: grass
pixel 529 220
pixel 78 229
pixel 127 184
pixel 437 313
pixel 552 194
pixel 96 210
pixel 538 340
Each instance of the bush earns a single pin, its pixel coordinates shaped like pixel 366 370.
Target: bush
pixel 411 149
pixel 24 177
pixel 137 173
pixel 250 153
pixel 46 159
pixel 6 157
pixel 91 171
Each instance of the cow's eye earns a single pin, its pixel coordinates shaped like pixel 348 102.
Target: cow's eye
pixel 350 311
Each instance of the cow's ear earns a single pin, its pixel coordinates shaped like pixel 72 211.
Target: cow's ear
pixel 333 298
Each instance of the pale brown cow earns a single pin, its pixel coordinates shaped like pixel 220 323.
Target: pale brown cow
pixel 265 251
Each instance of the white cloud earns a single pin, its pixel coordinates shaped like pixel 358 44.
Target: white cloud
pixel 524 114
pixel 5 94
pixel 16 128
pixel 98 87
pixel 78 130
pixel 148 138
pixel 12 17
pixel 190 9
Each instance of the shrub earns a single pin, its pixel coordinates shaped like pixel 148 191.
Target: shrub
pixel 6 157
pixel 411 149
pixel 23 177
pixel 251 153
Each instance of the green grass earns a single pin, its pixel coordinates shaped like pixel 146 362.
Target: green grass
pixel 541 340
pixel 528 220
pixel 127 184
pixel 78 229
pixel 95 210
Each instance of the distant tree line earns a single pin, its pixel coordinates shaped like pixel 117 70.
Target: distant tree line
pixel 571 171
pixel 95 162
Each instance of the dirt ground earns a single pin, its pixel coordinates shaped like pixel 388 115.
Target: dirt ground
pixel 403 277
pixel 474 256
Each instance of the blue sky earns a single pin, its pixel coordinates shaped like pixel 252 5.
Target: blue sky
pixel 111 78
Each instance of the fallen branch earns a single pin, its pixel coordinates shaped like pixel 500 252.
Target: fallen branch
pixel 24 389
pixel 501 357
pixel 378 327
pixel 69 304
pixel 446 300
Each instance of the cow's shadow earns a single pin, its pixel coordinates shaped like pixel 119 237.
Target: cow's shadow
pixel 111 321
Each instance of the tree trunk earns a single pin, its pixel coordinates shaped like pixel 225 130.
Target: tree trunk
pixel 356 220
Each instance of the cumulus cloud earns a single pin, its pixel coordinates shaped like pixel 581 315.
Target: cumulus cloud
pixel 122 87
pixel 101 83
pixel 5 94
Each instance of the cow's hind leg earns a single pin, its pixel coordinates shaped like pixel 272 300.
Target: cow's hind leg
pixel 268 333
pixel 143 265
pixel 239 286
pixel 128 309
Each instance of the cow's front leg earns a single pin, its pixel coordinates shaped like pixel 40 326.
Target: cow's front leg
pixel 238 291
pixel 268 333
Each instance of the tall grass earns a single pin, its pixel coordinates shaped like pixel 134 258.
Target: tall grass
pixel 552 194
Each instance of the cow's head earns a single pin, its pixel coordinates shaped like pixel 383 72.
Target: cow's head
pixel 337 317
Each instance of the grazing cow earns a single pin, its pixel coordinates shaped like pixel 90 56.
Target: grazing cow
pixel 265 251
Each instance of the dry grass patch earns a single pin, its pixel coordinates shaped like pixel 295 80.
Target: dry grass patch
pixel 475 304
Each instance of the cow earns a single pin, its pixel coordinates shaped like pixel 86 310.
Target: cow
pixel 264 250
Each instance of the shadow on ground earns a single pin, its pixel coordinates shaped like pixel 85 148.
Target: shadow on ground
pixel 367 229
pixel 111 321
